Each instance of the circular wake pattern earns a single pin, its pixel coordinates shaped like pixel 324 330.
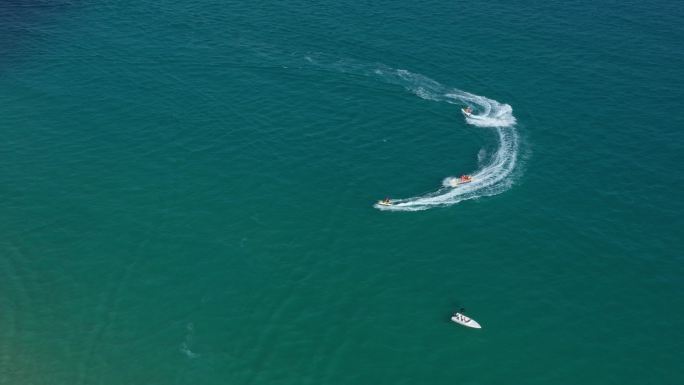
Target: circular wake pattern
pixel 494 175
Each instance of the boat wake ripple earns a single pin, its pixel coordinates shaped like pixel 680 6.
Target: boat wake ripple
pixel 495 173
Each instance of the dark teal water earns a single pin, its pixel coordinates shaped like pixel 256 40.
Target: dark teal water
pixel 188 187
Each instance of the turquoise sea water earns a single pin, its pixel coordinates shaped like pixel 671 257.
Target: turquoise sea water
pixel 188 187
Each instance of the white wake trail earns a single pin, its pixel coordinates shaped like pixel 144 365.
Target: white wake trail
pixel 493 178
pixel 495 174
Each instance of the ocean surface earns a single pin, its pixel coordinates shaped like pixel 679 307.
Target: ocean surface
pixel 188 192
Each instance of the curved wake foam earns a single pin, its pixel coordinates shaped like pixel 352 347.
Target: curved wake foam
pixel 491 179
pixel 494 175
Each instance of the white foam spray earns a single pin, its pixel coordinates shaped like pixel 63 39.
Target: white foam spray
pixel 494 175
pixel 481 157
pixel 185 345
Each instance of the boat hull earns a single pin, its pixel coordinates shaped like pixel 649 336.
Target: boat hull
pixel 465 321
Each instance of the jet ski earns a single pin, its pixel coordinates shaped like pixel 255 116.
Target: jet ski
pixel 385 202
pixel 455 182
pixel 468 114
pixel 465 321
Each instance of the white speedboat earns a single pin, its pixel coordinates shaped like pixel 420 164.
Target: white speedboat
pixel 465 321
